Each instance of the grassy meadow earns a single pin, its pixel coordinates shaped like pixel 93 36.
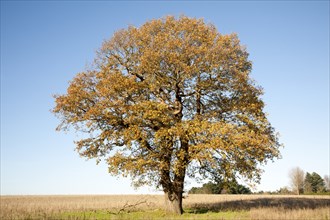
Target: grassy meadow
pixel 151 207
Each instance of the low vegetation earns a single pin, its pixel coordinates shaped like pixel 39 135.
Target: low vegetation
pixel 221 187
pixel 150 207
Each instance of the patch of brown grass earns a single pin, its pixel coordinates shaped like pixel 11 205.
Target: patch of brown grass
pixel 218 203
pixel 290 214
pixel 254 206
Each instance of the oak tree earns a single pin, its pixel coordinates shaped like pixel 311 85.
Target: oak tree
pixel 169 99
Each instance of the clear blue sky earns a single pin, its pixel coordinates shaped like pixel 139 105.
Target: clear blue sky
pixel 44 44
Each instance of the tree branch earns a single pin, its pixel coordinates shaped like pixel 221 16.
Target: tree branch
pixel 127 205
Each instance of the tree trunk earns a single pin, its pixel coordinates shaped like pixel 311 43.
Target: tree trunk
pixel 173 189
pixel 173 202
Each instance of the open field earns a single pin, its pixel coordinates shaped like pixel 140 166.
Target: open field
pixel 150 207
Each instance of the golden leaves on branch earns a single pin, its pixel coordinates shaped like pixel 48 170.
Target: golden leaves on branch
pixel 169 94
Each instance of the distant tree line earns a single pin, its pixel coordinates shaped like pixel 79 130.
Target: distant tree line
pixel 230 187
pixel 301 182
pixel 308 183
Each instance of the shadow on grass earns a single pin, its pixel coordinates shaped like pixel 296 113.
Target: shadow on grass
pixel 245 205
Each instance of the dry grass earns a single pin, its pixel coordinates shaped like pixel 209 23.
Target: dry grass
pixel 18 207
pixel 281 213
pixel 247 202
pixel 197 206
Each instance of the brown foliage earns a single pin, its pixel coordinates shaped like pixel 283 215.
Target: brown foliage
pixel 169 99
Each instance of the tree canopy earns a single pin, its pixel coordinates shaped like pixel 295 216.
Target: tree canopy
pixel 297 176
pixel 314 183
pixel 170 99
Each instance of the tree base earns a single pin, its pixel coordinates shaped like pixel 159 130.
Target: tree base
pixel 173 203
